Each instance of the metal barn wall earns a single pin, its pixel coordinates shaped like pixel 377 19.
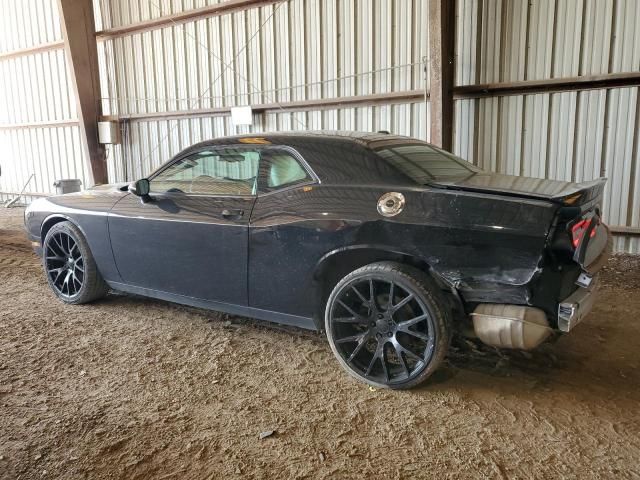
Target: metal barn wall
pixel 147 144
pixel 39 133
pixel 573 136
pixel 289 51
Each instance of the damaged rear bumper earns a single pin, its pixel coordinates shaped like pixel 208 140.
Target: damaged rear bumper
pixel 574 308
pixel 524 327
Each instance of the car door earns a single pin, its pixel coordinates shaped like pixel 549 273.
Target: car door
pixel 283 240
pixel 191 239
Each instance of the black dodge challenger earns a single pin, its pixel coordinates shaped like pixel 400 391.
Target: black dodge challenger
pixel 388 243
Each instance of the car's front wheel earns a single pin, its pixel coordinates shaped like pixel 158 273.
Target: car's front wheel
pixel 388 325
pixel 69 265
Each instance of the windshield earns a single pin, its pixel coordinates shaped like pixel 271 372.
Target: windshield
pixel 424 163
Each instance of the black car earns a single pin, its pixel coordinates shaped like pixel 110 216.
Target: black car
pixel 388 243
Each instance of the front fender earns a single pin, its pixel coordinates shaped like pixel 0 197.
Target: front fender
pixel 86 211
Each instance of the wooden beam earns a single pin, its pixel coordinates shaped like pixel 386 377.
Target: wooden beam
pixel 623 231
pixel 43 47
pixel 409 96
pixel 441 68
pixel 567 84
pixel 77 22
pixel 182 17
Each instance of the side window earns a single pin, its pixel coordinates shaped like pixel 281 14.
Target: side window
pixel 280 169
pixel 226 171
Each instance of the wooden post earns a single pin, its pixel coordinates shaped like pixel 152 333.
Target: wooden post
pixel 79 30
pixel 441 69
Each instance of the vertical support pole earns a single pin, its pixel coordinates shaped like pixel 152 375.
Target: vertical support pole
pixel 442 26
pixel 79 30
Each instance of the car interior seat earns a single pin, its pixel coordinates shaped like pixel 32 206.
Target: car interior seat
pixel 284 170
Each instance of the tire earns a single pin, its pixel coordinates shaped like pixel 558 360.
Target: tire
pixel 397 345
pixel 69 265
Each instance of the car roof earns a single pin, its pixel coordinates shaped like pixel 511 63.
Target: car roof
pixel 366 139
pixel 336 157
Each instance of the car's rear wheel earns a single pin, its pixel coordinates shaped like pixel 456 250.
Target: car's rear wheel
pixel 69 265
pixel 388 325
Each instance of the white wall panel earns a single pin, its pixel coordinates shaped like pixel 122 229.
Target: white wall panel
pixel 35 89
pixel 535 136
pixel 466 74
pixel 295 50
pixel 589 135
pixel 561 133
pixel 539 30
pixel 542 39
pixel 118 13
pixel 618 153
pixel 596 36
pixel 27 23
pixel 50 154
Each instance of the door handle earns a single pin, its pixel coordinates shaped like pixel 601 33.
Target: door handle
pixel 232 214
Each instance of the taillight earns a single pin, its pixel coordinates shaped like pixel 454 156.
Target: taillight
pixel 578 230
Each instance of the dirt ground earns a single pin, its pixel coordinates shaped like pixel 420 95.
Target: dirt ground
pixel 135 388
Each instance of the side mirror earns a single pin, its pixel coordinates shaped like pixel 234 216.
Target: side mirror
pixel 140 188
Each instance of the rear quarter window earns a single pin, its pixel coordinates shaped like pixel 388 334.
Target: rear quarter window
pixel 280 169
pixel 423 163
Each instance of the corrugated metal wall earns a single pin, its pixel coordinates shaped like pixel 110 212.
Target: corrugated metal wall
pixel 295 50
pixel 26 23
pixel 35 89
pixel 147 144
pixel 574 136
pixel 320 49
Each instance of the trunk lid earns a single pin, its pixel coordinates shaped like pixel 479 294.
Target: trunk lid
pixel 579 227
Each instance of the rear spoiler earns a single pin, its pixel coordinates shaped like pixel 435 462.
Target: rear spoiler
pixel 584 194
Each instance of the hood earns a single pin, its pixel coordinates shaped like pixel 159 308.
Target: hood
pixel 108 187
pixel 537 188
pixel 101 191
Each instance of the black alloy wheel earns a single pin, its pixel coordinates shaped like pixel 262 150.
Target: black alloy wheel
pixel 64 264
pixel 387 325
pixel 70 267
